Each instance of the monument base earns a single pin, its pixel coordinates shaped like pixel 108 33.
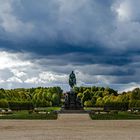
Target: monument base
pixel 72 111
pixel 72 103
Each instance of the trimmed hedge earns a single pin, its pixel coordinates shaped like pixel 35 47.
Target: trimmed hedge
pixel 20 105
pixel 116 106
pixel 134 103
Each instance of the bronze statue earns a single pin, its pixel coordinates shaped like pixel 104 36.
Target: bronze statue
pixel 71 100
pixel 72 79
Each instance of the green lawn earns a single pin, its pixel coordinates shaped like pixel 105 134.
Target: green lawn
pixel 49 109
pixel 93 108
pixel 119 116
pixel 26 115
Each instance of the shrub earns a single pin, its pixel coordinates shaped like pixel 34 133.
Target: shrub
pixel 113 112
pixel 134 103
pixel 86 96
pixel 88 104
pixel 55 99
pixel 116 105
pixel 99 102
pixel 43 103
pixel 4 103
pixel 20 105
pixel 80 95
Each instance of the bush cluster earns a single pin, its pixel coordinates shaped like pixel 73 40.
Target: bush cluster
pixel 108 98
pixel 4 103
pixel 23 99
pixel 20 105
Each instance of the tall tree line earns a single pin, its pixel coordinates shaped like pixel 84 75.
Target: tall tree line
pixel 29 98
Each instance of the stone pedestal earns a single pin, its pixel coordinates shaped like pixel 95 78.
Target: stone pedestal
pixel 72 102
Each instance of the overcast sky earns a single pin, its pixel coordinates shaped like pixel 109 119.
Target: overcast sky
pixel 42 41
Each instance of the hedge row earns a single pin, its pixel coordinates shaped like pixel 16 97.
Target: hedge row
pixel 116 106
pixel 20 105
pixel 134 103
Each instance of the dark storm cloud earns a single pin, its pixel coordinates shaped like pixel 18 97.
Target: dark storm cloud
pixel 81 56
pixel 65 35
pixel 54 21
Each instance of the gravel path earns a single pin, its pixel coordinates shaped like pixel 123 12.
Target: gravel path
pixel 70 127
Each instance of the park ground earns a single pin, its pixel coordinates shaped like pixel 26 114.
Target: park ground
pixel 70 127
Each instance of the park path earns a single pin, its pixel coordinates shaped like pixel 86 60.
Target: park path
pixel 73 117
pixel 70 127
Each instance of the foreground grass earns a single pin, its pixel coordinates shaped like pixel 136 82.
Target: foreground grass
pixel 49 109
pixel 93 108
pixel 32 116
pixel 119 116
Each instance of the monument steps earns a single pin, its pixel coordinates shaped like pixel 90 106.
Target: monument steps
pixel 73 118
pixel 69 111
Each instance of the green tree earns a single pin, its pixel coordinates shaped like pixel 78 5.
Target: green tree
pixel 80 95
pixel 55 99
pixel 2 93
pixel 93 100
pixel 135 94
pixel 86 96
pixel 88 103
pixel 99 102
pixel 4 103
